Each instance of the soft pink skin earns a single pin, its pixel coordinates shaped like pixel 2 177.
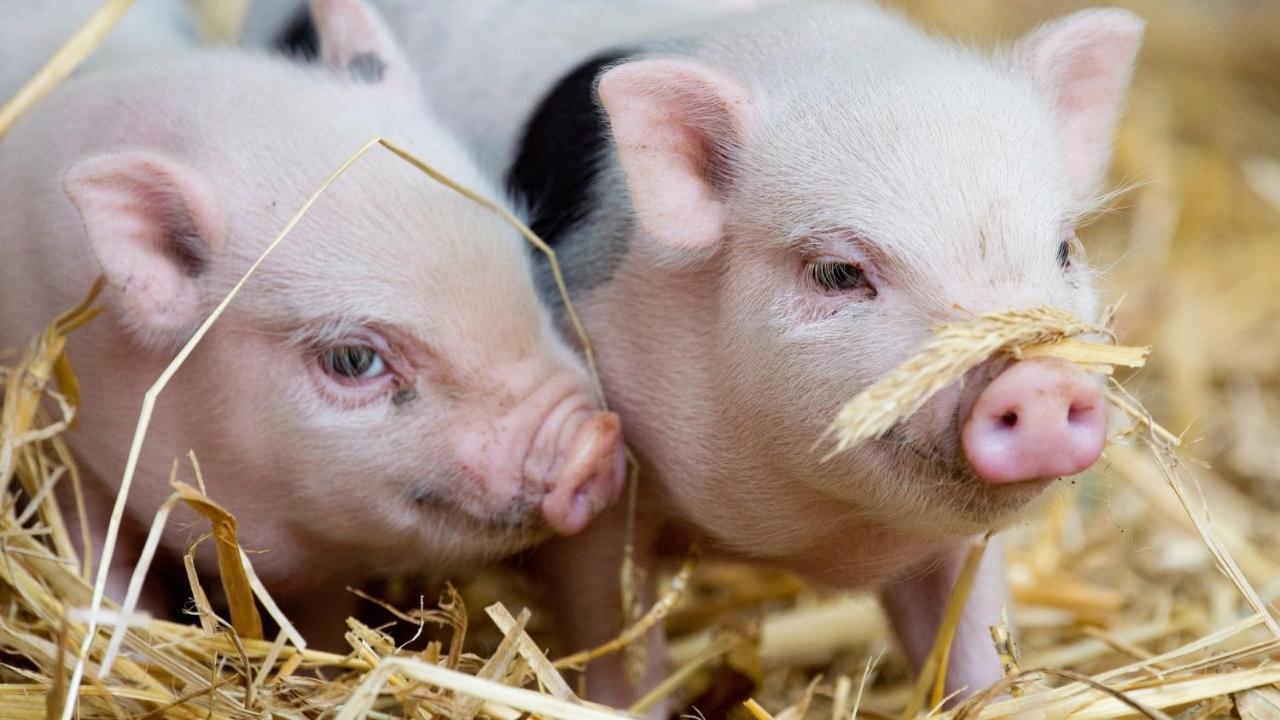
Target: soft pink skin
pixel 1036 420
pixel 482 436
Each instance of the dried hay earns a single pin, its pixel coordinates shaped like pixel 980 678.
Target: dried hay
pixel 957 348
pixel 1134 592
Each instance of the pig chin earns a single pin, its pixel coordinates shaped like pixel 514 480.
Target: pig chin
pixel 951 496
pixel 513 526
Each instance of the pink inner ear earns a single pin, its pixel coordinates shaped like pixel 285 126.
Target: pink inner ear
pixel 345 31
pixel 1085 62
pixel 149 222
pixel 671 119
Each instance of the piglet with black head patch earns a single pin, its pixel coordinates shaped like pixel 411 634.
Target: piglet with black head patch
pixel 762 216
pixel 386 395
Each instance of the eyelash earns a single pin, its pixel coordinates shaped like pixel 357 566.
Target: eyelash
pixel 835 276
pixel 344 363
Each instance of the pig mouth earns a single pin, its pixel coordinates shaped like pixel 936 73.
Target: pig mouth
pixel 520 517
pixel 954 485
pixel 946 467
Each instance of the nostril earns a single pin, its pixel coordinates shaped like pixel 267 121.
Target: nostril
pixel 1078 413
pixel 1035 420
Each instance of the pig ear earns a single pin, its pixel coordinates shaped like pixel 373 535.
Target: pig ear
pixel 673 123
pixel 152 224
pixel 1084 62
pixel 355 41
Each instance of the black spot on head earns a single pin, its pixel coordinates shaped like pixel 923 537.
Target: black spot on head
pixel 404 396
pixel 367 67
pixel 299 38
pixel 562 152
pixel 1064 255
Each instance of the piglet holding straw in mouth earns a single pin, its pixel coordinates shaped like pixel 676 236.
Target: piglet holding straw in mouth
pixel 762 216
pixel 386 395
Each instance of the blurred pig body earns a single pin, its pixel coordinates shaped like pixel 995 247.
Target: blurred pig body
pixel 762 216
pixel 385 395
pixel 484 31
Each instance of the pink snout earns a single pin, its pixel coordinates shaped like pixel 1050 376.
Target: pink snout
pixel 1039 419
pixel 590 478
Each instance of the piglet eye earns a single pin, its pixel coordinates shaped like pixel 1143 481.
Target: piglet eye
pixel 839 277
pixel 353 362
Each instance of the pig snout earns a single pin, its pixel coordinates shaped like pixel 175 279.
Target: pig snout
pixel 587 474
pixel 551 452
pixel 1038 419
pixel 575 458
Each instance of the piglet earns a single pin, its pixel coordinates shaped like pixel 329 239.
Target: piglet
pixel 387 395
pixel 762 216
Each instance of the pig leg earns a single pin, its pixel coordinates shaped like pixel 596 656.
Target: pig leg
pixel 915 606
pixel 581 574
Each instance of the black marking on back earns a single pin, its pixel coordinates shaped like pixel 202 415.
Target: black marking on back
pixel 367 67
pixel 562 152
pixel 299 38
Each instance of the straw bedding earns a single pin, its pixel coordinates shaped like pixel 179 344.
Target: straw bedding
pixel 1142 588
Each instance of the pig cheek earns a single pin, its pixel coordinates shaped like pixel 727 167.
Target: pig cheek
pixel 405 443
pixel 935 428
pixel 892 490
pixel 820 361
pixel 833 362
pixel 487 458
pixel 321 439
pixel 361 468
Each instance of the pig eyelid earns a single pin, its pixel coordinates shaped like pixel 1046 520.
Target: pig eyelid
pixel 856 247
pixel 358 357
pixel 406 353
pixel 322 334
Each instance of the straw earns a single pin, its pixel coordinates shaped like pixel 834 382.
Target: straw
pixel 68 57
